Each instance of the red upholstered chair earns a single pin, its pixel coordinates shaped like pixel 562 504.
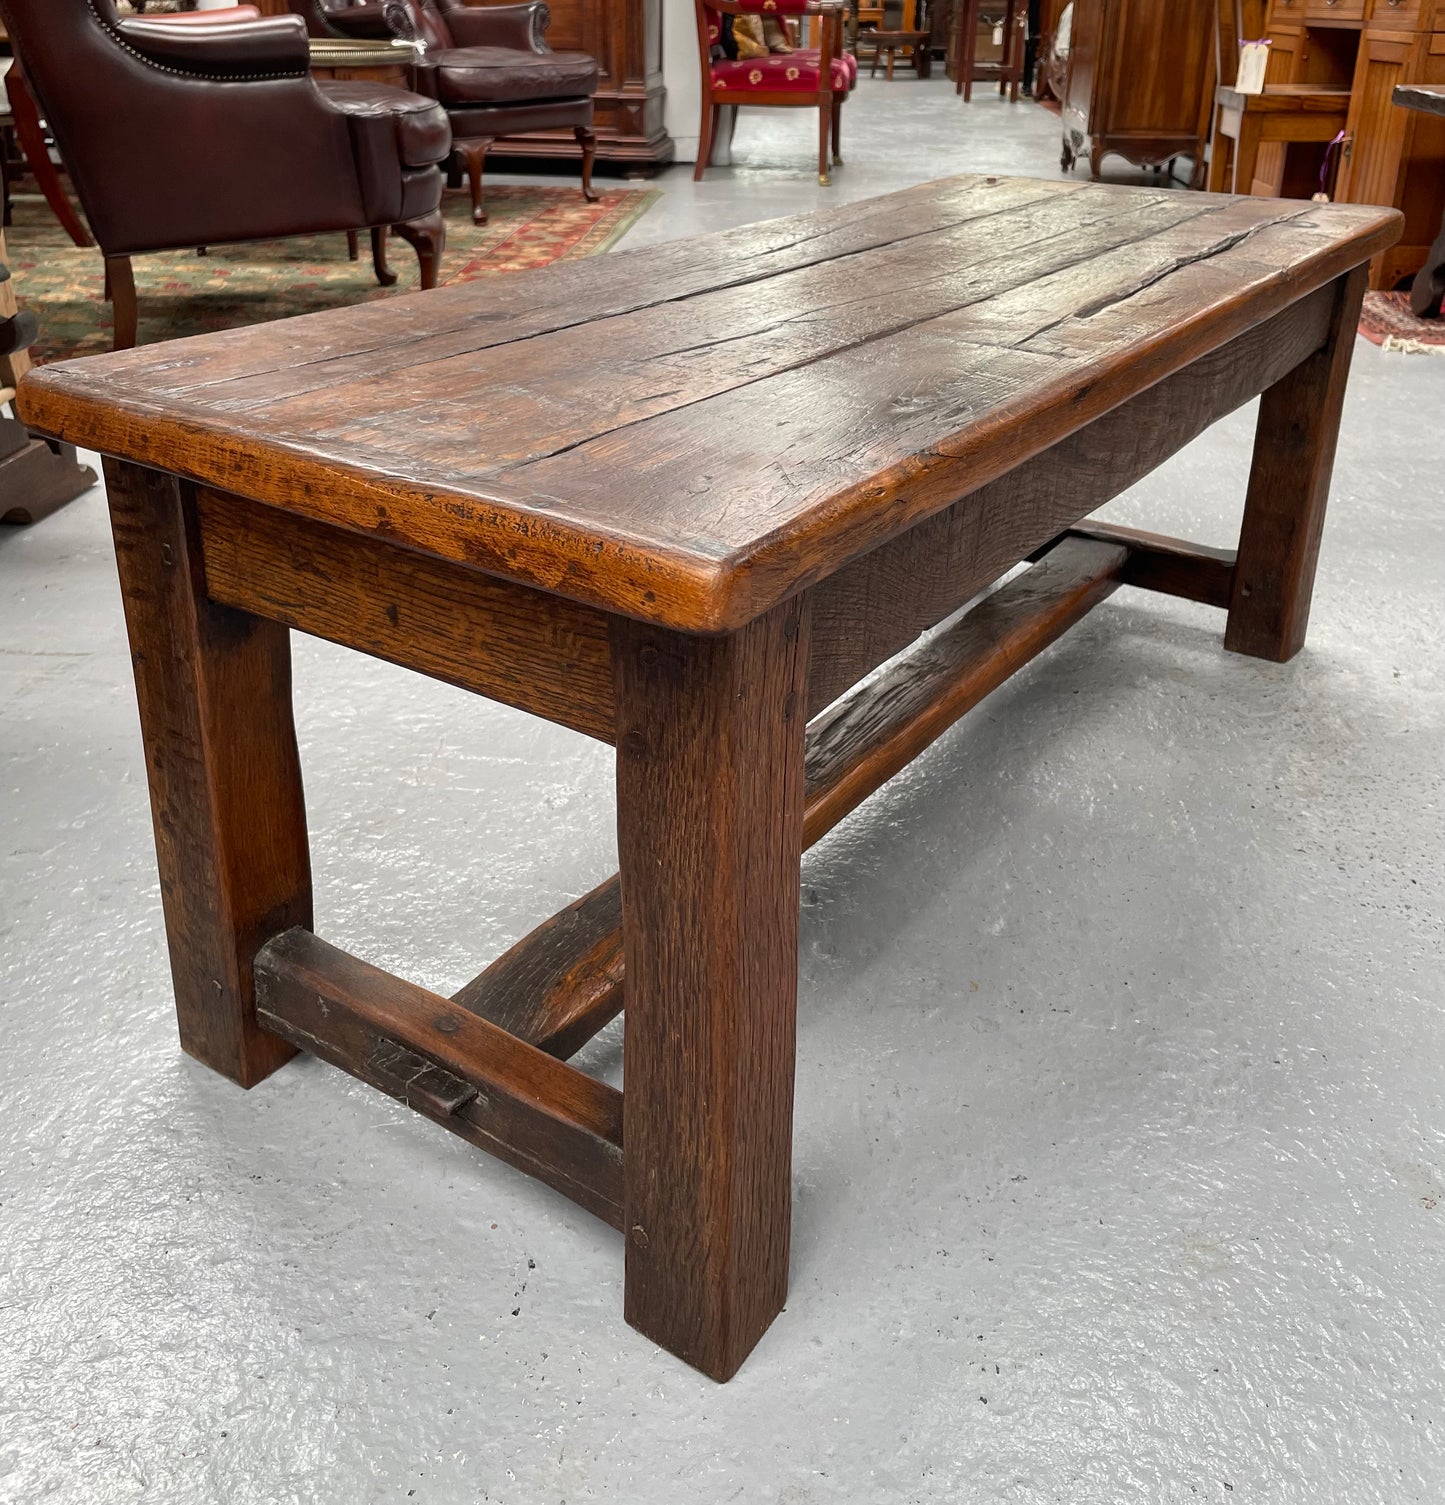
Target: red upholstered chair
pixel 811 78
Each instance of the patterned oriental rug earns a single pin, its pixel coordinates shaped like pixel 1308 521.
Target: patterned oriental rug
pixel 181 293
pixel 1387 321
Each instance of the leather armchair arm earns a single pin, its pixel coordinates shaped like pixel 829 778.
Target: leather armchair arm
pixel 205 17
pixel 273 47
pixel 522 26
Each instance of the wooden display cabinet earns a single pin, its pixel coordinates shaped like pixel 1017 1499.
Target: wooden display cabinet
pixel 1388 156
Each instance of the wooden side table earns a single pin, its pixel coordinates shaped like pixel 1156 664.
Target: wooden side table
pixel 391 63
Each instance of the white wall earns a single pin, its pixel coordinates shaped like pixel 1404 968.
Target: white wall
pixel 679 69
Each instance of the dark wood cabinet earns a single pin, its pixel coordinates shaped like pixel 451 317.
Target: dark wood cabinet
pixel 1140 81
pixel 625 36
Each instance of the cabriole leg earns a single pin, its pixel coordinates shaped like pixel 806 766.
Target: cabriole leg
pixel 428 238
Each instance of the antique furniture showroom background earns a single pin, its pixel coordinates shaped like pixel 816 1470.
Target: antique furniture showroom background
pixel 721 728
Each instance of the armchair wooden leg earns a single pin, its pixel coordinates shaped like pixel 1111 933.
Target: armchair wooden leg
pixel 353 246
pixel 837 130
pixel 705 135
pixel 428 235
pixel 384 274
pixel 587 139
pixel 120 289
pixel 825 126
pixel 37 156
pixel 473 152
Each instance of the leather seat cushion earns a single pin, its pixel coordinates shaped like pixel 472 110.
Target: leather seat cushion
pixel 423 132
pixel 503 75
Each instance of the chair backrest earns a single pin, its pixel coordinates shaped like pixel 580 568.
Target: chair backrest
pixel 710 24
pixel 160 157
pixel 325 18
pixel 419 21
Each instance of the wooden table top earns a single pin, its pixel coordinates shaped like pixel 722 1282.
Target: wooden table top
pixel 1427 97
pixel 691 432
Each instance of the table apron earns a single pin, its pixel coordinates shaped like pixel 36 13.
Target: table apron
pixel 881 601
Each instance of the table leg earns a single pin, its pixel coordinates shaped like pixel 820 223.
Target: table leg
pixel 1289 486
pixel 214 688
pixel 710 832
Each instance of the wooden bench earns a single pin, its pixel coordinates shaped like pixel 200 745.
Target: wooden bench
pixel 682 500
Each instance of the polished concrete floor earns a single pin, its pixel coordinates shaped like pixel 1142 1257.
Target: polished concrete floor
pixel 1120 1148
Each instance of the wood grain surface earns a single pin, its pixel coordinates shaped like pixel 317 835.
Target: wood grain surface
pixel 689 434
pixel 710 837
pixel 496 1092
pixel 214 691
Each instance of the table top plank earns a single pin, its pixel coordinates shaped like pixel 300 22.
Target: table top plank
pixel 1430 98
pixel 690 433
pixel 685 351
pixel 385 336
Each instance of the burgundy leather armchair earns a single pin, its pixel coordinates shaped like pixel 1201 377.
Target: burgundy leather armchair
pixel 492 70
pixel 197 135
pixel 362 20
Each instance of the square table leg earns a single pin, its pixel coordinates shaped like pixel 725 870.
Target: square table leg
pixel 710 835
pixel 214 689
pixel 1289 486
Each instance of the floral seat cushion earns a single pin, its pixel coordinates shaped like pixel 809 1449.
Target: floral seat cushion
pixel 795 70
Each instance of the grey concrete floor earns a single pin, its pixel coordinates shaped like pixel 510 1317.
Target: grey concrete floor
pixel 1120 1147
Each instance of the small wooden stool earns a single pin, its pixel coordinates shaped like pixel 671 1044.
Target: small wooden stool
pixel 915 43
pixel 533 487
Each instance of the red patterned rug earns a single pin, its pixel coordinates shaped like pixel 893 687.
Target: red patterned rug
pixel 1386 320
pixel 181 293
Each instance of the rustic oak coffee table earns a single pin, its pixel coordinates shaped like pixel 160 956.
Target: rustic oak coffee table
pixel 681 500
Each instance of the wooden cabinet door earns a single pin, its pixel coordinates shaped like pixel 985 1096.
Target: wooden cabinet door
pixel 1164 96
pixel 1375 139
